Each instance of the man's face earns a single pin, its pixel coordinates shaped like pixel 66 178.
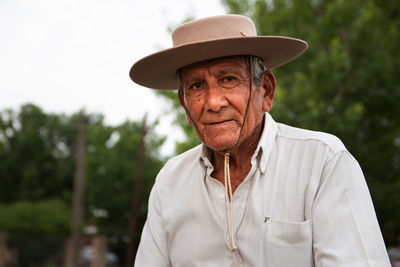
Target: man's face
pixel 216 93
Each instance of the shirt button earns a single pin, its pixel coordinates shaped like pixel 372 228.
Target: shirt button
pixel 221 195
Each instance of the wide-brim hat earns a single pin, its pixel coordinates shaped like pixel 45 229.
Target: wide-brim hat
pixel 208 38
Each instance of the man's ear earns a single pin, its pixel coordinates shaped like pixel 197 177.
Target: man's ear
pixel 268 83
pixel 182 101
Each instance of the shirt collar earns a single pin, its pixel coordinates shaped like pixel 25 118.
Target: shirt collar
pixel 266 141
pixel 262 152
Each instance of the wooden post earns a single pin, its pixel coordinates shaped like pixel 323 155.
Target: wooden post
pixel 137 187
pixel 99 245
pixel 7 257
pixel 73 253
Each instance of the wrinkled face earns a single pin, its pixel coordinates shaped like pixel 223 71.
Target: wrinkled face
pixel 215 96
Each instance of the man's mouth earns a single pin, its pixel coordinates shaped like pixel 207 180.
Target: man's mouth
pixel 218 122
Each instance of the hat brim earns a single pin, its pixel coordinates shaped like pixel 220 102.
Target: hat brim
pixel 158 70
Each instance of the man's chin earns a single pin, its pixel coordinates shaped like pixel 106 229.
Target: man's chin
pixel 220 147
pixel 220 142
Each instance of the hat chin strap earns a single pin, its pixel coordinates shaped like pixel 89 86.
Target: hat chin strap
pixel 229 203
pixel 227 176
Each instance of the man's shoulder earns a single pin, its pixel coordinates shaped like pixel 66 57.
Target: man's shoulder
pixel 294 134
pixel 190 155
pixel 179 165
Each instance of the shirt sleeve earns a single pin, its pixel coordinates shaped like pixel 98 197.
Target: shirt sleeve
pixel 345 229
pixel 152 249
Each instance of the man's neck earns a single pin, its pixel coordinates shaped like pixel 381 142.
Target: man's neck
pixel 239 160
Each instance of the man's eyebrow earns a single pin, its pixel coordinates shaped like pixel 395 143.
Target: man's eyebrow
pixel 194 77
pixel 230 69
pixel 223 72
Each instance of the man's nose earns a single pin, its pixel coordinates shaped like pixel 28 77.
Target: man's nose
pixel 215 97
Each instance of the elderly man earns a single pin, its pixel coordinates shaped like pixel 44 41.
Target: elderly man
pixel 255 192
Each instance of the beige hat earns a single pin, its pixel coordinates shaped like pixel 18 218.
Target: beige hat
pixel 208 38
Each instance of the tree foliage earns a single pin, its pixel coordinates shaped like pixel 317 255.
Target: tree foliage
pixel 37 161
pixel 48 217
pixel 35 155
pixel 346 83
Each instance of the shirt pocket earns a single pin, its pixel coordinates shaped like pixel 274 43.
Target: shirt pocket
pixel 286 244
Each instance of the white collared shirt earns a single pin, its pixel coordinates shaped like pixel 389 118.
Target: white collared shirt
pixel 304 203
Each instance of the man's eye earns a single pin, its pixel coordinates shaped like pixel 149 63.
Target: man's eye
pixel 195 86
pixel 229 79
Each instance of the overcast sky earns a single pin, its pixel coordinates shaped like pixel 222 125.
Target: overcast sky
pixel 67 54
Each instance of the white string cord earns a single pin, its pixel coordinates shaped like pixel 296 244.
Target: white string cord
pixel 229 202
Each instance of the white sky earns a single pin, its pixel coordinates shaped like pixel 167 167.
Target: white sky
pixel 63 55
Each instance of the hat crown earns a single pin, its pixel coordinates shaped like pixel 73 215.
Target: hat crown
pixel 213 28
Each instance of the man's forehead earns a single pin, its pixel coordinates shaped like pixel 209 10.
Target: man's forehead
pixel 230 61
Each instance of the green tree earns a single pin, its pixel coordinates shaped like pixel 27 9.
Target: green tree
pixel 111 165
pixel 37 160
pixel 49 217
pixel 35 155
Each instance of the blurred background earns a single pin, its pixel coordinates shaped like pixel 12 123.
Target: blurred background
pixel 80 144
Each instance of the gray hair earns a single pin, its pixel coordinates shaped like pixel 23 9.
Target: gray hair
pixel 258 68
